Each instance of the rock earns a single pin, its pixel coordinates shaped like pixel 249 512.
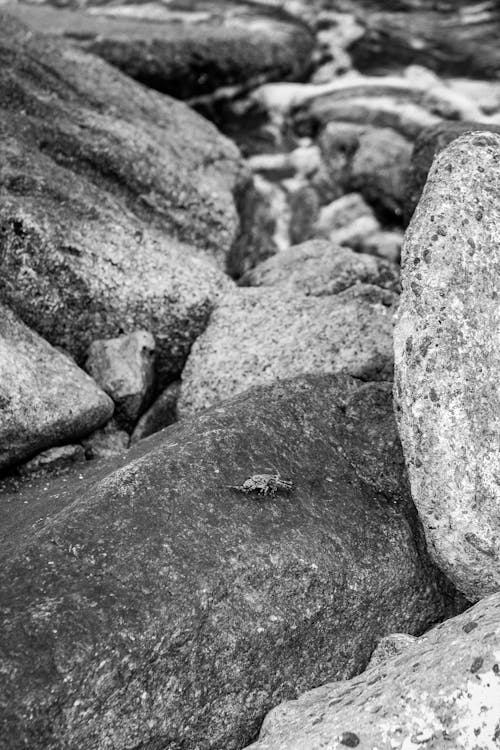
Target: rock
pixel 54 458
pixel 108 442
pixel 357 233
pixel 305 211
pixel 441 692
pixel 391 645
pixel 45 399
pixel 186 54
pixel 318 268
pixel 486 94
pixel 117 202
pixel 383 243
pixel 162 413
pixel 372 161
pixel 343 212
pixel 158 607
pixel 447 361
pixel 430 142
pixel 257 336
pixel 124 369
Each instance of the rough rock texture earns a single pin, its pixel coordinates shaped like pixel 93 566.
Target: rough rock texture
pixel 389 646
pixel 257 336
pixel 160 414
pixel 448 359
pixel 159 608
pixel 429 143
pixel 373 161
pixel 186 54
pixel 442 692
pixel 124 369
pixel 106 188
pixel 45 399
pixel 318 267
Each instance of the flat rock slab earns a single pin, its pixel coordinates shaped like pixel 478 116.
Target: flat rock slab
pixel 116 202
pixel 186 53
pixel 45 399
pixel 442 692
pixel 157 607
pixel 319 268
pixel 257 336
pixel 447 359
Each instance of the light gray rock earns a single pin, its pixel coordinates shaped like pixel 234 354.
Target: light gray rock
pixel 442 692
pixel 391 645
pixel 45 399
pixel 447 355
pixel 319 267
pixel 160 414
pixel 124 369
pixel 341 213
pixel 257 336
pixel 384 243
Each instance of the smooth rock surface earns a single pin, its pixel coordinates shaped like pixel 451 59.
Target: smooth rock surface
pixel 124 369
pixel 429 143
pixel 45 399
pixel 157 607
pixel 257 336
pixel 442 692
pixel 447 358
pixel 319 267
pixel 116 202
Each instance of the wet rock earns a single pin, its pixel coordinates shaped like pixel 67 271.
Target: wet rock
pixel 45 399
pixel 124 369
pixel 257 336
pixel 117 203
pixel 186 53
pixel 54 459
pixel 442 691
pixel 156 606
pixel 447 361
pixel 160 414
pixel 430 142
pixel 319 267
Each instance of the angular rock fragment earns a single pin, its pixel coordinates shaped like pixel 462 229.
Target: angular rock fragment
pixel 45 399
pixel 447 358
pixel 157 606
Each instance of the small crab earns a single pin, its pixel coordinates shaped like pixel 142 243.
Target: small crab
pixel 263 484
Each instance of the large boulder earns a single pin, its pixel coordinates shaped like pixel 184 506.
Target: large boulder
pixel 429 143
pixel 158 607
pixel 442 692
pixel 45 399
pixel 259 335
pixel 116 202
pixel 448 358
pixel 187 52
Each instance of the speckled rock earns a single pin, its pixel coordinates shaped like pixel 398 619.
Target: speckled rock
pixel 389 646
pixel 186 51
pixel 442 692
pixel 160 414
pixel 319 267
pixel 124 368
pixel 158 607
pixel 45 399
pixel 430 142
pixel 116 202
pixel 448 359
pixel 257 336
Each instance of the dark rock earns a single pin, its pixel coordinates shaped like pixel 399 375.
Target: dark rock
pixel 428 145
pixel 188 53
pixel 259 335
pixel 319 267
pixel 124 369
pixel 161 413
pixel 159 608
pixel 447 361
pixel 116 201
pixel 45 399
pixel 304 212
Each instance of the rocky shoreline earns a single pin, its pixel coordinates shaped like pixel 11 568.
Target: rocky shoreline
pixel 292 273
